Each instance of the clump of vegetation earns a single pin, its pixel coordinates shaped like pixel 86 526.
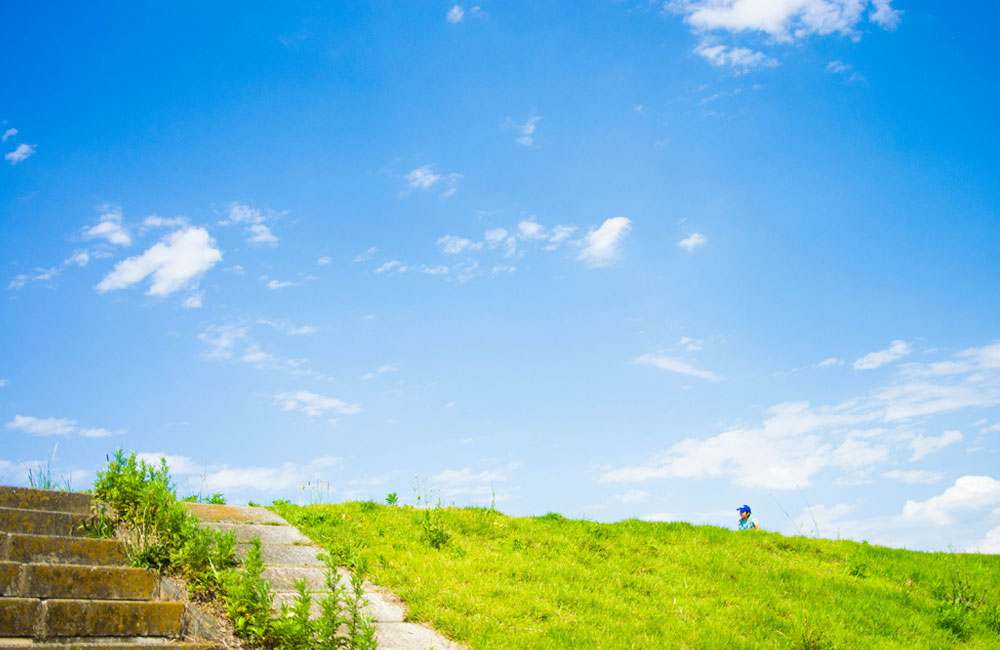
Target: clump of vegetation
pixel 551 582
pixel 159 533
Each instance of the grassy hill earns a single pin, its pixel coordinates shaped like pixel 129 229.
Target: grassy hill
pixel 493 581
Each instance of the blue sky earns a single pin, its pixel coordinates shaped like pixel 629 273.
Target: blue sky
pixel 608 259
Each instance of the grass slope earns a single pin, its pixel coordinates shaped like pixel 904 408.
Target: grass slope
pixel 550 582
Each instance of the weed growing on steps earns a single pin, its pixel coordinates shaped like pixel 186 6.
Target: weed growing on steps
pixel 40 478
pixel 159 533
pixel 342 623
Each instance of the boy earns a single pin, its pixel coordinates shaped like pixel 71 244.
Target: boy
pixel 746 521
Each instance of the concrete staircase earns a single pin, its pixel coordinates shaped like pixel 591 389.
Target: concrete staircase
pixel 59 589
pixel 289 555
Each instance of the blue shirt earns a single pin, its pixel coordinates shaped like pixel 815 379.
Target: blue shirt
pixel 749 524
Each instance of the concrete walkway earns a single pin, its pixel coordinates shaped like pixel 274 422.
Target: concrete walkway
pixel 289 556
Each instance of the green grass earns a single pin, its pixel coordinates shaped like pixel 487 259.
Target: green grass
pixel 550 582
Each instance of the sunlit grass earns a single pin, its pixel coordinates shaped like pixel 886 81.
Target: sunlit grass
pixel 550 582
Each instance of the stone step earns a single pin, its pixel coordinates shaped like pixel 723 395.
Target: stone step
pixel 234 514
pixel 92 643
pixel 41 522
pixel 78 582
pixel 267 534
pixel 27 617
pixel 54 549
pixel 285 554
pixel 283 578
pixel 50 500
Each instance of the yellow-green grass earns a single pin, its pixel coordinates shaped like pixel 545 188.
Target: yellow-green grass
pixel 551 582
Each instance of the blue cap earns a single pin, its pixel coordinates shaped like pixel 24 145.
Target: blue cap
pixel 744 508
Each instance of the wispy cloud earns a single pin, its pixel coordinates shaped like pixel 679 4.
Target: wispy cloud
pixel 314 405
pixel 23 152
pixel 676 365
pixel 9 133
pixel 455 14
pixel 924 445
pixel 692 242
pixel 603 245
pixel 896 350
pixel 524 132
pixel 740 59
pixel 425 178
pixel 383 369
pixel 109 227
pixel 54 427
pixel 254 219
pixel 796 440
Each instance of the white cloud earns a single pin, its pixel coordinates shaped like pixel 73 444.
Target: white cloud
pixel 79 257
pixel 390 266
pixel 498 237
pixel 452 245
pixel 693 345
pixel 3 382
pixel 260 234
pixel 830 361
pixel 323 261
pixel 531 230
pixel 434 270
pixel 23 152
pixel 455 15
pixel 221 340
pixel 367 255
pixel 42 426
pixel 314 405
pixel 424 178
pixel 278 284
pixel 174 263
pixel 676 365
pixel 884 15
pixel 153 221
pixel 635 496
pixel 525 132
pixel 896 350
pixel 226 479
pixel 603 245
pixel 783 453
pixel 8 134
pixel 989 544
pixel 969 496
pixel 785 20
pixel 288 328
pixel 40 275
pixel 837 67
pixel 467 475
pixel 383 369
pixel 914 476
pixel 741 59
pixel 109 227
pixel 195 300
pixel 694 241
pixel 559 235
pixel 257 231
pixel 922 445
pixel 661 516
pixel 95 432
